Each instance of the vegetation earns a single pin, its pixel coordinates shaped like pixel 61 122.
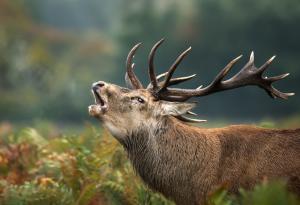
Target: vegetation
pixel 89 169
pixel 81 170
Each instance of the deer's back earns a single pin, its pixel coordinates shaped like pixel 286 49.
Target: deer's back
pixel 249 154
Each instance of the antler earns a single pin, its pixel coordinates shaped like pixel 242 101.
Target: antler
pixel 248 75
pixel 154 85
pixel 153 79
pixel 173 81
pixel 133 82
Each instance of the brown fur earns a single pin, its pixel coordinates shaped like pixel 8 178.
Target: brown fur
pixel 193 162
pixel 186 163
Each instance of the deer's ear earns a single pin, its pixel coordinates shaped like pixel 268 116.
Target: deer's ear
pixel 176 108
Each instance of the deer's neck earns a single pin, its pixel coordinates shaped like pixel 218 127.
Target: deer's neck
pixel 164 155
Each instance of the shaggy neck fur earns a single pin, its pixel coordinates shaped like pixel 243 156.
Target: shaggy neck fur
pixel 164 158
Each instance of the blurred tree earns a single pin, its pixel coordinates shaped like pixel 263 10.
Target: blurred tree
pixel 44 68
pixel 51 51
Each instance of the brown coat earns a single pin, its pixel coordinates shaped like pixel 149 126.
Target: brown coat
pixel 187 163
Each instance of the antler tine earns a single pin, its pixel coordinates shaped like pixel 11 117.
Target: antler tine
pixel 160 76
pixel 187 119
pixel 274 93
pixel 151 70
pixel 173 81
pixel 276 78
pixel 266 65
pixel 136 84
pixel 225 70
pixel 173 68
pixel 191 113
pixel 248 75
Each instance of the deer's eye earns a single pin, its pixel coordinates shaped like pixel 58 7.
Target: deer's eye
pixel 139 99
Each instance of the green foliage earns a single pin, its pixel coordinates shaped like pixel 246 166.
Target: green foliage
pixel 220 197
pixel 35 194
pixel 91 168
pixel 267 193
pixel 147 197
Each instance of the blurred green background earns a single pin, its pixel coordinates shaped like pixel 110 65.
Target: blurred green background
pixel 51 51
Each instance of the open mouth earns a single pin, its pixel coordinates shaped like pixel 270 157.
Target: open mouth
pixel 100 104
pixel 98 99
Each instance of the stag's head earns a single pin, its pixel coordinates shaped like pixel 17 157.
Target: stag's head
pixel 123 110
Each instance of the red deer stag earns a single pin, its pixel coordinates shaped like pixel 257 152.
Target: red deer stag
pixel 184 162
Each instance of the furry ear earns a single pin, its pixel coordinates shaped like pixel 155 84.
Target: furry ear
pixel 176 108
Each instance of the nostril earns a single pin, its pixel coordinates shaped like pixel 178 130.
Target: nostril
pixel 98 85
